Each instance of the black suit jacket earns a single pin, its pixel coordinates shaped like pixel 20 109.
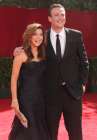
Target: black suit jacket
pixel 73 68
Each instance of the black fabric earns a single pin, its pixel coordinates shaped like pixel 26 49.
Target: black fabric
pixel 75 90
pixel 73 67
pixel 31 96
pixel 73 70
pixel 72 112
pixel 58 48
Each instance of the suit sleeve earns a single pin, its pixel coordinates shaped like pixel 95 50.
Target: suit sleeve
pixel 83 59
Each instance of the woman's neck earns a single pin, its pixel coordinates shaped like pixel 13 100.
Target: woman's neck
pixel 34 51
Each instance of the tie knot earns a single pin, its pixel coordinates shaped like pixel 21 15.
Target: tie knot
pixel 57 35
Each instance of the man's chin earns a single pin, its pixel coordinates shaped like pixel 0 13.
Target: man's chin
pixel 60 26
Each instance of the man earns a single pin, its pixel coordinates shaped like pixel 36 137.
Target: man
pixel 67 72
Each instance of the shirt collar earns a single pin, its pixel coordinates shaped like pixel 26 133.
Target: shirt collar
pixel 60 33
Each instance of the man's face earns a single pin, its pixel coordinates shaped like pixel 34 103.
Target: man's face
pixel 57 17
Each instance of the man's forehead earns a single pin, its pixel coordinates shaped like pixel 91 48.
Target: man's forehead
pixel 58 9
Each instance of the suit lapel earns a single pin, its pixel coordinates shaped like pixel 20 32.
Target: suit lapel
pixel 50 47
pixel 67 42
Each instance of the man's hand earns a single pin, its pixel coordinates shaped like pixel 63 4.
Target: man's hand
pixel 17 51
pixel 84 88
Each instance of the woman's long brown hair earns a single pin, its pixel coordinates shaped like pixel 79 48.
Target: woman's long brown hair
pixel 30 30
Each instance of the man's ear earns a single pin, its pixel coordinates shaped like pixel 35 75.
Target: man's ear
pixel 49 18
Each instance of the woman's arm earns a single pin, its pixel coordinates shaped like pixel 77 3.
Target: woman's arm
pixel 17 62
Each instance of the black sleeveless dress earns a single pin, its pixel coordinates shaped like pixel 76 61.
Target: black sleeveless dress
pixel 31 96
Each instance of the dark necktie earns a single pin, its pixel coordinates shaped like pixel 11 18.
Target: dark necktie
pixel 58 48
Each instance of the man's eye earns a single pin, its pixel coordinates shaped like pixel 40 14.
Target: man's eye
pixel 56 15
pixel 62 15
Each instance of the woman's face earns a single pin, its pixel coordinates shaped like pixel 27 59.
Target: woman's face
pixel 37 38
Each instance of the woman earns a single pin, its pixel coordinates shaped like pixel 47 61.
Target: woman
pixel 28 87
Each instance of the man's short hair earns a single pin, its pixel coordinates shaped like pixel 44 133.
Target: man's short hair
pixel 55 5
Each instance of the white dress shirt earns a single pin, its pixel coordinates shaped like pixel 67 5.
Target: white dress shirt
pixel 62 37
